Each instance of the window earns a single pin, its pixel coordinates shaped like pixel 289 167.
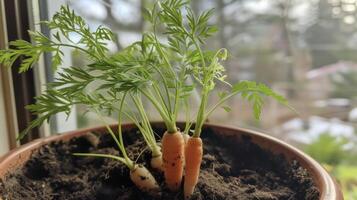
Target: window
pixel 4 144
pixel 276 42
pixel 304 49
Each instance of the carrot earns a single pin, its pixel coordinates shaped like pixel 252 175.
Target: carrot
pixel 193 159
pixel 185 137
pixel 92 139
pixel 139 174
pixel 156 160
pixel 144 180
pixel 173 156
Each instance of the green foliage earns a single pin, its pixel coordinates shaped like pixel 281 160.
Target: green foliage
pixel 344 85
pixel 340 162
pixel 254 92
pixel 66 21
pixel 93 44
pixel 346 176
pixel 327 149
pixel 163 72
pixel 21 48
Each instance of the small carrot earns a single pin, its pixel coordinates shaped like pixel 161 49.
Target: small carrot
pixel 193 159
pixel 156 160
pixel 144 180
pixel 139 174
pixel 173 156
pixel 185 137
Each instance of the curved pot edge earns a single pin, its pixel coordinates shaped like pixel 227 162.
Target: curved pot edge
pixel 322 179
pixel 325 179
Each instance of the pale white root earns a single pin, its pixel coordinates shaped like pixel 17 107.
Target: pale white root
pixel 144 180
pixel 92 139
pixel 185 137
pixel 157 163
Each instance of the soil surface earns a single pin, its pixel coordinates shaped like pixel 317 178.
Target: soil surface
pixel 230 170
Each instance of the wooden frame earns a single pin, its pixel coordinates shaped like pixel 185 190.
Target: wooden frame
pixel 9 113
pixel 20 88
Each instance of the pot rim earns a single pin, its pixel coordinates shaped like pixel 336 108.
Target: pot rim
pixel 327 186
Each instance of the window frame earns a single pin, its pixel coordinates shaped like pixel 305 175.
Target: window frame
pixel 19 90
pixel 6 83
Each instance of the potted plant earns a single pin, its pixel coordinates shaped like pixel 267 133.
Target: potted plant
pixel 225 163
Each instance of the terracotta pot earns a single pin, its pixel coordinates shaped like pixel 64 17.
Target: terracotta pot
pixel 328 188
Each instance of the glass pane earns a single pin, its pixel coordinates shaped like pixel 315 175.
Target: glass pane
pixel 279 43
pixel 304 49
pixel 4 140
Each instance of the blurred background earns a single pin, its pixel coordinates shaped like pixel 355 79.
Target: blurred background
pixel 305 49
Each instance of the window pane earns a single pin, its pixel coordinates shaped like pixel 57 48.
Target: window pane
pixel 293 46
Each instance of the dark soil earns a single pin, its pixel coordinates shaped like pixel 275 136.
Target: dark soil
pixel 230 170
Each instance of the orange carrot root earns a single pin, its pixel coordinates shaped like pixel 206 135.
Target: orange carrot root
pixel 193 159
pixel 144 180
pixel 173 155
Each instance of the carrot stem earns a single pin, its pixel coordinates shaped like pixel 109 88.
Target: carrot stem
pixel 121 159
pixel 146 131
